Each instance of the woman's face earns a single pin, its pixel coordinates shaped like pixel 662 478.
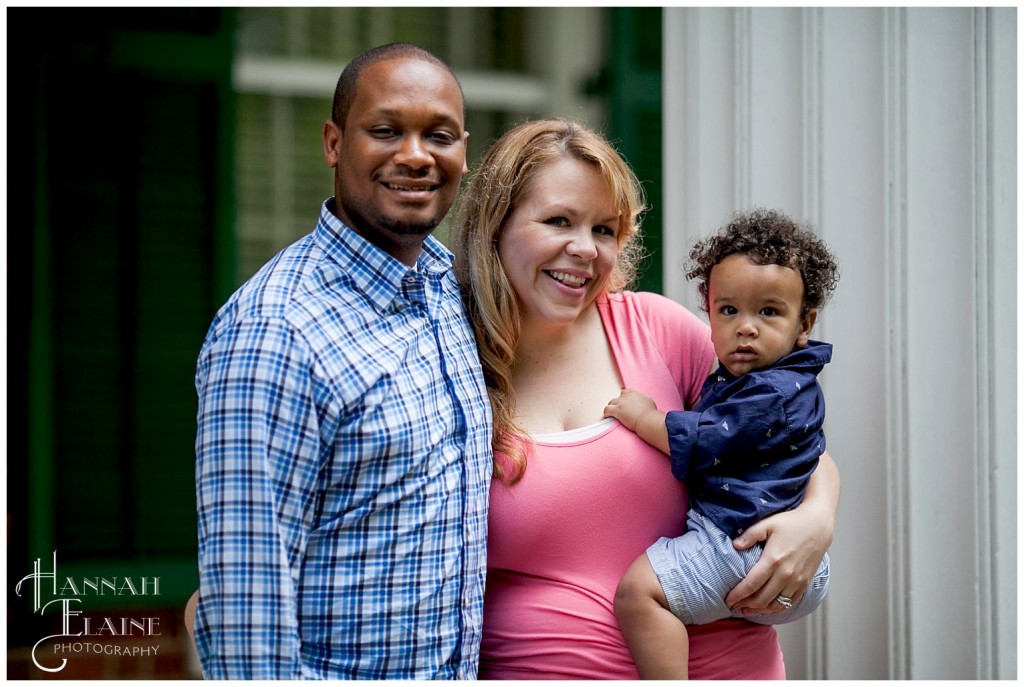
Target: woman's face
pixel 559 245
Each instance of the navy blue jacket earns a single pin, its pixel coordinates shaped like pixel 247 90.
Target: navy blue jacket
pixel 749 446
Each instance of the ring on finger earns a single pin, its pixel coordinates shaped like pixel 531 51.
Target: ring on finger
pixel 784 601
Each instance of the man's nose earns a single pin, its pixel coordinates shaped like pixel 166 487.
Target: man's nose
pixel 413 153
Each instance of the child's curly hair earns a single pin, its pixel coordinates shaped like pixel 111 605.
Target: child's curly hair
pixel 769 237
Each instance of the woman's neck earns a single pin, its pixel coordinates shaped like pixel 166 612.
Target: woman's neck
pixel 543 341
pixel 543 335
pixel 563 376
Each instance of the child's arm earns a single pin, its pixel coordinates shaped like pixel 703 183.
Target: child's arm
pixel 639 413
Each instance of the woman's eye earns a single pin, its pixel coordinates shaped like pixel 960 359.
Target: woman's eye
pixel 557 221
pixel 604 230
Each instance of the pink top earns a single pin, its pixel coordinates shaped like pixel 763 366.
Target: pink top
pixel 561 538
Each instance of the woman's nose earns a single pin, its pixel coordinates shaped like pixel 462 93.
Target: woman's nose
pixel 582 245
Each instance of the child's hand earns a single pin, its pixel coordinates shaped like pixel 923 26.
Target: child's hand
pixel 628 407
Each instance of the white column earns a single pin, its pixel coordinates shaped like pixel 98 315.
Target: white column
pixel 699 134
pixel 893 131
pixel 1000 361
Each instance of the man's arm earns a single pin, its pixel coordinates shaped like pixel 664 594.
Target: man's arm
pixel 256 449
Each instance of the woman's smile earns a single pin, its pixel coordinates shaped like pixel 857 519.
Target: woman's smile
pixel 574 281
pixel 559 244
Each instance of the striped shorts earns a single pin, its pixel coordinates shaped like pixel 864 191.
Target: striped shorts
pixel 699 569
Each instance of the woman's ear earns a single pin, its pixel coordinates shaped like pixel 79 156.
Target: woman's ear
pixel 806 325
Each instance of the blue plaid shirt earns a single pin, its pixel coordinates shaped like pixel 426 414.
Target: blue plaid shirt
pixel 343 462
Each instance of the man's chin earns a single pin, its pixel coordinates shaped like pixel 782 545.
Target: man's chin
pixel 383 227
pixel 419 229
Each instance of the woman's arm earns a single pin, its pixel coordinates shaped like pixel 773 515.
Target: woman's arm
pixel 795 542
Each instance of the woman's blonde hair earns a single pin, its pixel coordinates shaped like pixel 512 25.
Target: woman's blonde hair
pixel 500 182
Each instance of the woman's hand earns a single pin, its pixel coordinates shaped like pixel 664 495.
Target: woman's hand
pixel 795 542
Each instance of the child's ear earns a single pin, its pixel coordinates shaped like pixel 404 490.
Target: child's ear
pixel 806 325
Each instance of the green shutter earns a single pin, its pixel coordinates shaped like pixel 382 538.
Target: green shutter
pixel 124 221
pixel 634 103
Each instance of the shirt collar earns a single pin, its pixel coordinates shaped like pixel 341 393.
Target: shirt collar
pixel 373 271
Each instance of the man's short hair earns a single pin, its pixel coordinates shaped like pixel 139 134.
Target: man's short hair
pixel 345 91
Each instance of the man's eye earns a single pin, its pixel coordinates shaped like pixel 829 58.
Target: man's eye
pixel 443 137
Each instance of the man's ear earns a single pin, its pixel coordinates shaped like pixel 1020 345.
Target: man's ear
pixel 465 159
pixel 806 325
pixel 332 137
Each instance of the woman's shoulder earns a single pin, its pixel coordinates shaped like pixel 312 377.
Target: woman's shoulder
pixel 655 310
pixel 650 324
pixel 641 298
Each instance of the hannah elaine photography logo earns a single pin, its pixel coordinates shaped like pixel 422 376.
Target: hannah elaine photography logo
pixel 64 597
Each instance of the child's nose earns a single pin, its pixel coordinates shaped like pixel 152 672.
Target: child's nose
pixel 747 328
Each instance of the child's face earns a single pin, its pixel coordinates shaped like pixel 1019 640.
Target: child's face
pixel 755 313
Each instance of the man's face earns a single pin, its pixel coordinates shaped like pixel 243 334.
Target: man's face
pixel 402 154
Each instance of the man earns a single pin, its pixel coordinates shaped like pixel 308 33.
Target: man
pixel 343 447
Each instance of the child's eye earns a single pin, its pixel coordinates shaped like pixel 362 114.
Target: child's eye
pixel 769 312
pixel 728 310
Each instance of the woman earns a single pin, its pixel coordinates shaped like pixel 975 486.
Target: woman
pixel 545 244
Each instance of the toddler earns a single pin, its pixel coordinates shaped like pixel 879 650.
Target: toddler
pixel 749 446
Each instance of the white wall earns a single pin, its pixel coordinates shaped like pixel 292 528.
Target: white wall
pixel 893 130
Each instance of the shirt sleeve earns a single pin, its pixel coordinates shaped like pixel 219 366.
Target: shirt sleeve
pixel 751 420
pixel 257 451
